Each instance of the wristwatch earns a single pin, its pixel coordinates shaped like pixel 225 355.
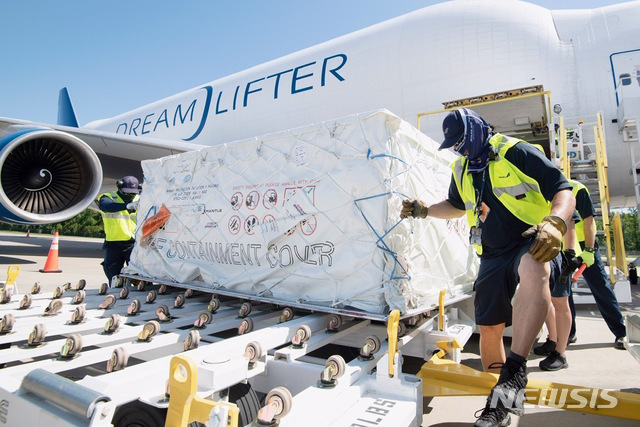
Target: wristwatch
pixel 588 249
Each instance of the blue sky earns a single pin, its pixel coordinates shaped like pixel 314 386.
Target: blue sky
pixel 117 55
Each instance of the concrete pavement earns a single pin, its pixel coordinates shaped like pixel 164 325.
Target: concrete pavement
pixel 78 258
pixel 593 362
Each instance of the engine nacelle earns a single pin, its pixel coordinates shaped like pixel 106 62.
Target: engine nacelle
pixel 46 176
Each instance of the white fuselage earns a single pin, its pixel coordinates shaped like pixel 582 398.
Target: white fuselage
pixel 412 64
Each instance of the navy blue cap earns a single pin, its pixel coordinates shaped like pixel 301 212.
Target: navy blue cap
pixel 453 129
pixel 128 184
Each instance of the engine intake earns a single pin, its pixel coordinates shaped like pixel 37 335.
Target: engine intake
pixel 46 176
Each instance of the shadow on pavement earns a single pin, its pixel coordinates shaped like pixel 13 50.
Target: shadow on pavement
pixel 18 246
pixel 11 260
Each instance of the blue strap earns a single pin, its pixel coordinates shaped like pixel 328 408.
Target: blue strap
pixel 380 243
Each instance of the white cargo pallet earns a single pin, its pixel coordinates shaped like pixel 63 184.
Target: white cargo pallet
pixel 364 395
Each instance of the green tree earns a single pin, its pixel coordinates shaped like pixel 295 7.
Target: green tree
pixel 631 230
pixel 87 223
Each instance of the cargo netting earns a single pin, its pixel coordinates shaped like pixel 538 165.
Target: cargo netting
pixel 309 215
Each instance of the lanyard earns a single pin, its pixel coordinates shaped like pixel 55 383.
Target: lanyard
pixel 479 194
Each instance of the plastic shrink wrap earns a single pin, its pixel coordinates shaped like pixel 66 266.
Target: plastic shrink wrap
pixel 309 215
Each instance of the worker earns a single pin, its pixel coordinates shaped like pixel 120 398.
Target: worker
pixel 118 210
pixel 595 274
pixel 559 318
pixel 517 205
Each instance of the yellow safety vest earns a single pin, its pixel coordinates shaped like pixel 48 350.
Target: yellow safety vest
pixel 118 226
pixel 518 192
pixel 577 186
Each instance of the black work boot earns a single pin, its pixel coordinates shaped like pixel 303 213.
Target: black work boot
pixel 493 417
pixel 546 348
pixel 508 393
pixel 553 362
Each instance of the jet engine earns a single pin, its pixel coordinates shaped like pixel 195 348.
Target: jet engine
pixel 46 176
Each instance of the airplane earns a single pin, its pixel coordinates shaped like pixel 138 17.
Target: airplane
pixel 511 61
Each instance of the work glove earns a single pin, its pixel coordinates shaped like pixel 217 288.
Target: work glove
pixel 569 264
pixel 414 208
pixel 547 238
pixel 133 206
pixel 587 258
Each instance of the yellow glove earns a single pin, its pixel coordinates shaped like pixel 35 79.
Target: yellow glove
pixel 415 208
pixel 587 258
pixel 547 238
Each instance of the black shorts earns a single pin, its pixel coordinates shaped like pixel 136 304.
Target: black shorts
pixel 560 289
pixel 497 282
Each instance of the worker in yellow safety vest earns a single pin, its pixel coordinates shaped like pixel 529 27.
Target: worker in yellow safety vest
pixel 517 204
pixel 118 210
pixel 595 274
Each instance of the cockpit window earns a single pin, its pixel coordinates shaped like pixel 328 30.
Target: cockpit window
pixel 625 79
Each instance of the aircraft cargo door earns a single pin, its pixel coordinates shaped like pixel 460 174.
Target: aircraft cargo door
pixel 522 113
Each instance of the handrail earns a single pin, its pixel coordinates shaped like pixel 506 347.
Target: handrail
pixel 621 254
pixel 564 156
pixel 603 185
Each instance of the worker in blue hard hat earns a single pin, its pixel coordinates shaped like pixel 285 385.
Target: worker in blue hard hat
pixel 119 209
pixel 517 204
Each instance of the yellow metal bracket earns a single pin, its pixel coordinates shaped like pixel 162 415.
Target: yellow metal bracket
pixel 441 309
pixel 392 334
pixel 185 406
pixel 446 347
pixel 443 377
pixel 12 274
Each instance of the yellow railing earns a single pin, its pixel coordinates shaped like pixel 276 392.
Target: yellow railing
pixel 603 184
pixel 618 238
pixel 601 164
pixel 564 155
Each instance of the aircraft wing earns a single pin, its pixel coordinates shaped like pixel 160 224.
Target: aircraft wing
pixel 49 173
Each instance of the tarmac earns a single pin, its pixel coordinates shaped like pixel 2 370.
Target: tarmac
pixel 593 361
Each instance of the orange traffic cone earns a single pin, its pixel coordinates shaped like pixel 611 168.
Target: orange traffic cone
pixel 51 266
pixel 27 233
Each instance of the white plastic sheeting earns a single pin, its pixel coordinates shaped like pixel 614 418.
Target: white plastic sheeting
pixel 309 215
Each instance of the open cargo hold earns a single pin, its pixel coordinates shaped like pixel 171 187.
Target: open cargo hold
pixel 310 216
